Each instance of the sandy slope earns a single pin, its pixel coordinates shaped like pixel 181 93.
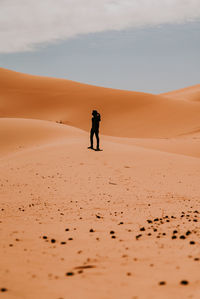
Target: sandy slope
pixel 19 134
pixel 124 114
pixel 52 186
pixel 191 93
pixel 48 188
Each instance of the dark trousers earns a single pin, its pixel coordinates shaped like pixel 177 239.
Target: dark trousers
pixel 96 132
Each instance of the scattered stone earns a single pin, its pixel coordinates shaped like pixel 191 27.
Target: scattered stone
pixel 62 243
pixel 188 233
pixel 44 237
pixel 113 237
pixel 192 242
pixel 138 236
pixel 4 290
pixel 142 229
pixel 182 237
pixel 80 272
pixel 112 232
pixel 91 230
pixel 69 273
pixel 149 221
pixel 53 241
pixel 175 231
pixel 174 237
pixel 161 283
pixel 184 282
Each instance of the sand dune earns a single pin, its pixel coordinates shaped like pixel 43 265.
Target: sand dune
pixel 19 134
pixel 76 223
pixel 124 113
pixel 191 93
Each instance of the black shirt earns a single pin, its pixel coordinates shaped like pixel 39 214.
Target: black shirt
pixel 95 122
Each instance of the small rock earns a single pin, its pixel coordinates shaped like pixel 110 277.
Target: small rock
pixel 184 282
pixel 69 273
pixel 192 242
pixel 161 283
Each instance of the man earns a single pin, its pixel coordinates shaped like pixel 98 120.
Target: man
pixel 95 129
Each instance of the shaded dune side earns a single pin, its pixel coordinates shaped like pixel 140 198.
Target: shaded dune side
pixel 124 113
pixel 191 93
pixel 17 134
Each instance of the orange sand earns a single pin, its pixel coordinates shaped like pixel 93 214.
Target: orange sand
pixel 51 182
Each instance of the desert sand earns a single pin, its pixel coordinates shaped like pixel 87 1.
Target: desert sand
pixel 120 223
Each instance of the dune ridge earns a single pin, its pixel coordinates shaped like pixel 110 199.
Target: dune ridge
pixel 124 113
pixel 191 93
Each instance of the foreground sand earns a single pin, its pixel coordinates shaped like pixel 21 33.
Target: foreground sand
pixel 98 203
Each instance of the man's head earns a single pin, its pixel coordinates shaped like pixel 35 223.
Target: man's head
pixel 94 112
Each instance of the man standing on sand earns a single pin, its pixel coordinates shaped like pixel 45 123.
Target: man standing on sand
pixel 95 129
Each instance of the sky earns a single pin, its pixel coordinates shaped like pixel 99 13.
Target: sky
pixel 141 45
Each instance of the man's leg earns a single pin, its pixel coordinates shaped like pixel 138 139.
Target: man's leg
pixel 91 138
pixel 97 137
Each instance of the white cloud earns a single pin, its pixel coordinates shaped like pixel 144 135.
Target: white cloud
pixel 26 23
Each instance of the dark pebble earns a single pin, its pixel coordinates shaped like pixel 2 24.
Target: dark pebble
pixel 149 221
pixel 182 237
pixel 53 241
pixel 62 243
pixel 69 273
pixel 44 237
pixel 184 282
pixel 3 290
pixel 174 237
pixel 138 236
pixel 192 242
pixel 142 229
pixel 112 232
pixel 70 239
pixel 156 219
pixel 161 283
pixel 113 237
pixel 67 229
pixel 175 231
pixel 91 230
